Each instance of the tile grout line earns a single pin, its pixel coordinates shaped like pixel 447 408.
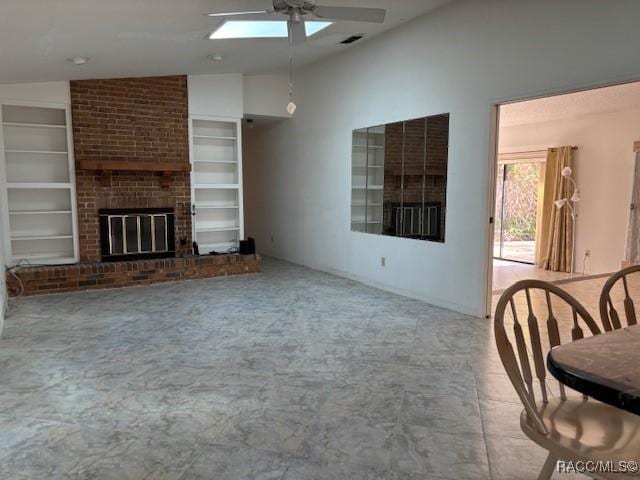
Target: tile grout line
pixel 484 431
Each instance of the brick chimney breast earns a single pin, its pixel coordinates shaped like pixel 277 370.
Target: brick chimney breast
pixel 133 120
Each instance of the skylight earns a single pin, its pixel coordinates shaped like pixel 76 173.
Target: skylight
pixel 262 29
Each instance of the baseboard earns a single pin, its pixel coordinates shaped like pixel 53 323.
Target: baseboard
pixel 381 286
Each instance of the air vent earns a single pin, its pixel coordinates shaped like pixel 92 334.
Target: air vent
pixel 352 39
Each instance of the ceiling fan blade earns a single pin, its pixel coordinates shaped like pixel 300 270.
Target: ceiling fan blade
pixel 353 14
pixel 298 32
pixel 234 14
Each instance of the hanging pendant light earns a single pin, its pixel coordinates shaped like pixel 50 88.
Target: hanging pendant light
pixel 291 106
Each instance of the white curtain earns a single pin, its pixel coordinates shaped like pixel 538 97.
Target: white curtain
pixel 632 253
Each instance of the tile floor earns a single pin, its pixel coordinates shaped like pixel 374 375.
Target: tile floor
pixel 291 374
pixel 507 273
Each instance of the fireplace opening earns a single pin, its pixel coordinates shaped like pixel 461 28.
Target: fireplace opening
pixel 136 233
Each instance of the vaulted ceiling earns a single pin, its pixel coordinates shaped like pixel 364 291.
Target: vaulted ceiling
pixel 158 37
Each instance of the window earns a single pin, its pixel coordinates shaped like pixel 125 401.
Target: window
pixel 261 29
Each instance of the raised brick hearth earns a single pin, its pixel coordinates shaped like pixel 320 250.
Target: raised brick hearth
pixel 94 276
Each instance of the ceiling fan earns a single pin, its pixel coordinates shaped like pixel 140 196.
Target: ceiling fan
pixel 297 10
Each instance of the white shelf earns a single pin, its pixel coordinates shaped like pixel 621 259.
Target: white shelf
pixel 213 186
pixel 50 258
pixel 38 185
pixel 40 212
pixel 45 152
pixel 217 207
pixel 32 125
pixel 215 137
pixel 37 191
pixel 42 237
pixel 216 229
pixel 215 246
pixel 216 182
pixel 367 162
pixel 233 162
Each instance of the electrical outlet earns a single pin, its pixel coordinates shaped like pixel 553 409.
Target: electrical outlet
pixel 383 262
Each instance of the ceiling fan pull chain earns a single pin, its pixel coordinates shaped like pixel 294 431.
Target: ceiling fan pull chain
pixel 291 106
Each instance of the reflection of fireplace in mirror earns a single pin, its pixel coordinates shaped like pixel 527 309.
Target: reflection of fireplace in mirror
pixel 399 178
pixel 136 233
pixel 415 220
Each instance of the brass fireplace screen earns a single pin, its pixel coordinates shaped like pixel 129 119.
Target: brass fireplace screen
pixel 132 234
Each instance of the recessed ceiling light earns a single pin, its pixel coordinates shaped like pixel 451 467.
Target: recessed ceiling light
pixel 215 57
pixel 78 60
pixel 262 29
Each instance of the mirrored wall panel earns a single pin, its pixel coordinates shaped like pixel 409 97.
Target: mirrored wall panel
pixel 399 178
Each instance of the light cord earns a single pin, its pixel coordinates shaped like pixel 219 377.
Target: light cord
pixel 290 59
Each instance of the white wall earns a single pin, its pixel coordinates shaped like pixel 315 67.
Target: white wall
pixel 222 94
pixel 603 169
pixel 234 95
pixel 266 95
pixel 45 92
pixel 461 59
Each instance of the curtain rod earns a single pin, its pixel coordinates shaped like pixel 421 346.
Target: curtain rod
pixel 573 147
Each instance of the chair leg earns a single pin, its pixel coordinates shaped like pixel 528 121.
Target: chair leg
pixel 548 468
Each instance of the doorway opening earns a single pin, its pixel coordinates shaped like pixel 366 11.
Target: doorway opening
pixel 564 179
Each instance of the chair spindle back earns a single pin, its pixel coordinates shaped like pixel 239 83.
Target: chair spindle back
pixel 518 363
pixel 608 313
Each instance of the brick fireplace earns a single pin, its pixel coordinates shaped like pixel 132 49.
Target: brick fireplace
pixel 131 145
pixel 131 121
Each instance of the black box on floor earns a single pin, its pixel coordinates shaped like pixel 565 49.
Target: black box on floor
pixel 247 247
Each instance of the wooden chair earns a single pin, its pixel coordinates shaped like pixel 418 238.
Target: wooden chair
pixel 569 426
pixel 608 313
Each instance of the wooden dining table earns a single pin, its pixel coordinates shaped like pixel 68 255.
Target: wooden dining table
pixel 605 367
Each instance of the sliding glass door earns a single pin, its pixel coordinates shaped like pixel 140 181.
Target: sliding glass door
pixel 517 191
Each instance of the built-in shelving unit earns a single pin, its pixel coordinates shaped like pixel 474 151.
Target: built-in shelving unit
pixel 216 180
pixel 37 184
pixel 367 180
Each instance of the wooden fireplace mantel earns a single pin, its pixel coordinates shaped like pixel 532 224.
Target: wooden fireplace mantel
pixel 107 166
